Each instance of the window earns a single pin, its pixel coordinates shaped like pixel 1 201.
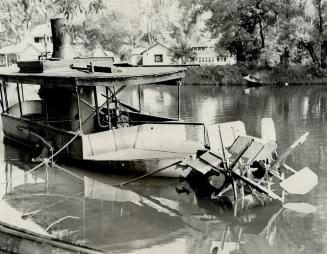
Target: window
pixel 39 39
pixel 158 58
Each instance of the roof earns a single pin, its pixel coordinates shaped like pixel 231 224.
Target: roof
pixel 41 30
pixel 137 51
pixel 108 53
pixel 209 44
pixel 18 48
pixel 154 45
pixel 67 77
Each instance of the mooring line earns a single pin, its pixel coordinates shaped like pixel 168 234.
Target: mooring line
pixel 47 160
pixel 148 174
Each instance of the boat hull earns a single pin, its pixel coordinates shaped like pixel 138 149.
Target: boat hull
pixel 135 167
pixel 129 151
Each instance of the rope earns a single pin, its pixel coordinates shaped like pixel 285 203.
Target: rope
pixel 148 174
pixel 46 161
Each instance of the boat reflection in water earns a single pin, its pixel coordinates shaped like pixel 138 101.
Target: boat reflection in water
pixel 149 216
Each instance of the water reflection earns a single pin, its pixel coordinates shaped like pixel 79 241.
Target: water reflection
pixel 161 216
pixel 148 216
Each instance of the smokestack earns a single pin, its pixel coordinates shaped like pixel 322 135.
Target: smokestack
pixel 62 39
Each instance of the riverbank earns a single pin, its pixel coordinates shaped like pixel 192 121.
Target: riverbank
pixel 232 75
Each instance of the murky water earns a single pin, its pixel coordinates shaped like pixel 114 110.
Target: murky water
pixel 158 215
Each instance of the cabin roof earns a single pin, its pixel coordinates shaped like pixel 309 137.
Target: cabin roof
pixel 67 77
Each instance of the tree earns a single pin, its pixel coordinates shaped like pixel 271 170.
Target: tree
pixel 19 16
pixel 182 51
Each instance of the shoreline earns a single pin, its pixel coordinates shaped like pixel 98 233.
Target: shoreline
pixel 232 75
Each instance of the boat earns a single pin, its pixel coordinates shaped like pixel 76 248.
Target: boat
pixel 252 81
pixel 69 120
pixel 78 113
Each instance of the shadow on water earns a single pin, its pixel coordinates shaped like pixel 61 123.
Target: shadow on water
pixel 165 215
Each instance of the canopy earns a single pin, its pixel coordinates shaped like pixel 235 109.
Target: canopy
pixel 67 77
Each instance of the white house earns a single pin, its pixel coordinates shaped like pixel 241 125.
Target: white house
pixel 41 35
pixel 157 54
pixel 39 42
pixel 206 55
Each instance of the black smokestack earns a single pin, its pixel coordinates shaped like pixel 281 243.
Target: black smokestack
pixel 62 39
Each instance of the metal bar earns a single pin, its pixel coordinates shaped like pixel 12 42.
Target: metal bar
pixel 241 154
pixel 79 110
pixel 150 173
pixel 178 99
pixel 6 97
pixel 1 97
pixel 121 103
pixel 223 149
pixel 97 109
pixel 249 162
pixel 139 93
pixel 109 118
pixel 170 122
pixel 19 101
pixel 22 91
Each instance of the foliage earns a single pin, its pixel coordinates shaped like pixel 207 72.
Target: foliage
pixel 182 51
pixel 265 33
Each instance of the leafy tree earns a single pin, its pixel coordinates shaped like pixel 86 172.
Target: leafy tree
pixel 182 51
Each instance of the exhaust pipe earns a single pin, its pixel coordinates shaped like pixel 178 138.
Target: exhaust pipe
pixel 62 39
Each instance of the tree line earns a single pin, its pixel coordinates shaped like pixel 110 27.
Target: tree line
pixel 265 33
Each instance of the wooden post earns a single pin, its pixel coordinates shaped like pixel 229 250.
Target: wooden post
pixel 19 101
pixel 79 109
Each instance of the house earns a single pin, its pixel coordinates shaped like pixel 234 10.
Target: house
pixel 205 54
pixel 41 35
pixel 21 52
pixel 157 54
pixel 39 42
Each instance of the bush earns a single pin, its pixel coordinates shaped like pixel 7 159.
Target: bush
pixel 232 75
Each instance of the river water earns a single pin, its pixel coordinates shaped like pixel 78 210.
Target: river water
pixel 159 216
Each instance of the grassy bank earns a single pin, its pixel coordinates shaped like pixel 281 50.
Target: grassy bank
pixel 233 75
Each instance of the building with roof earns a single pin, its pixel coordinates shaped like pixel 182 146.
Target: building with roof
pixel 205 54
pixel 158 54
pixel 39 42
